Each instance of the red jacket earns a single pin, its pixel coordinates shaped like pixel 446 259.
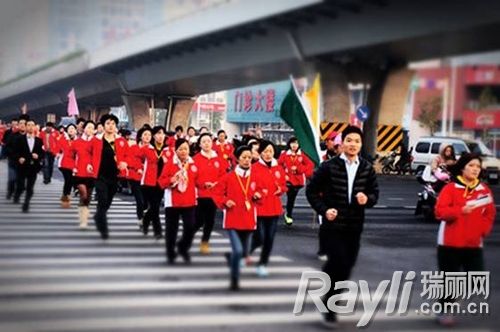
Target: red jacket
pixel 210 170
pixel 171 141
pixel 81 150
pixel 173 196
pixel 304 167
pixel 67 157
pixel 50 144
pixel 271 179
pixel 226 152
pixel 230 188
pixel 460 230
pixel 121 150
pixel 134 163
pixel 149 160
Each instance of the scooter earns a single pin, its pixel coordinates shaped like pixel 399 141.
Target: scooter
pixel 427 198
pixel 391 164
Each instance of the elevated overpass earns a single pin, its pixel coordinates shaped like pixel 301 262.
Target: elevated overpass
pixel 248 42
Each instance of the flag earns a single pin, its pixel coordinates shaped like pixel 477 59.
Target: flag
pixel 72 105
pixel 294 112
pixel 24 109
pixel 313 96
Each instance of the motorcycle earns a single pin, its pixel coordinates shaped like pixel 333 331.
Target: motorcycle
pixel 427 198
pixel 391 165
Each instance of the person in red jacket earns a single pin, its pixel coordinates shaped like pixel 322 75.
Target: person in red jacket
pixel 82 179
pixel 224 149
pixel 49 137
pixel 135 170
pixel 272 181
pixel 178 178
pixel 109 160
pixel 237 194
pixel 298 167
pixel 211 169
pixel 155 157
pixel 66 162
pixel 467 212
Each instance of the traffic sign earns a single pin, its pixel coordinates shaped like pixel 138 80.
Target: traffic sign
pixel 362 113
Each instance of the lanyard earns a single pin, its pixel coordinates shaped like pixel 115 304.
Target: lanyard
pixel 245 190
pixel 158 151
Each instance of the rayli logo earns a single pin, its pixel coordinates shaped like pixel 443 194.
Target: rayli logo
pixel 344 301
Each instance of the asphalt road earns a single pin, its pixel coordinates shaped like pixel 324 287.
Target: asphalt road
pixel 54 277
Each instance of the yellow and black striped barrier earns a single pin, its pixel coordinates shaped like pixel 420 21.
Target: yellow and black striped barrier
pixel 326 128
pixel 389 137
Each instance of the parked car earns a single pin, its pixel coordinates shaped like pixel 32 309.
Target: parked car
pixel 427 148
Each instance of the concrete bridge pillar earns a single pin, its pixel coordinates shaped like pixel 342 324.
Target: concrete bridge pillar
pixel 181 110
pixel 137 110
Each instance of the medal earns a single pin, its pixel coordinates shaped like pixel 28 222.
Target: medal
pixel 248 205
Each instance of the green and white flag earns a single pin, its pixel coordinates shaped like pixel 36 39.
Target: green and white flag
pixel 295 113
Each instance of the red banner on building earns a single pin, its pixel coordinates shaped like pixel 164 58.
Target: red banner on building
pixel 481 119
pixel 210 107
pixel 483 75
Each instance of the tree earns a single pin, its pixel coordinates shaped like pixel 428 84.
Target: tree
pixel 429 112
pixel 487 98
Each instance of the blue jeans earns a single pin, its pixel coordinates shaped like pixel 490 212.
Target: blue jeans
pixel 48 167
pixel 239 245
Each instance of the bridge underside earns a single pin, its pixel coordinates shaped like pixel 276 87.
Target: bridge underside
pixel 373 35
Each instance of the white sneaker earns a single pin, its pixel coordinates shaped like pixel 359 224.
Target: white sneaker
pixel 262 271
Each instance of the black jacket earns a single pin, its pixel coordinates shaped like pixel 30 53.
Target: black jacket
pixel 21 150
pixel 9 142
pixel 328 188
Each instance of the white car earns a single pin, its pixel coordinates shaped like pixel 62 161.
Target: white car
pixel 427 148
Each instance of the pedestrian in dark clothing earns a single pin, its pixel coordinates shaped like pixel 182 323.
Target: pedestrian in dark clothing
pixel 9 138
pixel 29 154
pixel 340 190
pixel 109 155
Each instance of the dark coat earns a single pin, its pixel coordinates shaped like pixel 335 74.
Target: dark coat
pixel 21 150
pixel 328 189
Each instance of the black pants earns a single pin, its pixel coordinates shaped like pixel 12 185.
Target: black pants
pixel 172 215
pixel 342 251
pixel 291 195
pixel 205 217
pixel 321 243
pixel 25 181
pixel 105 191
pixel 48 167
pixel 459 259
pixel 266 228
pixel 152 197
pixel 135 186
pixel 68 180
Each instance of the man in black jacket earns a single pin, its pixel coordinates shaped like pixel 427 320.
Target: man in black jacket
pixel 28 152
pixel 10 139
pixel 339 191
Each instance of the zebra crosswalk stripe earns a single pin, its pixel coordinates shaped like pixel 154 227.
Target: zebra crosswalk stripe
pixel 55 277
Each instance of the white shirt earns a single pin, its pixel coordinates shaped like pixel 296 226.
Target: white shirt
pixel 31 142
pixel 352 169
